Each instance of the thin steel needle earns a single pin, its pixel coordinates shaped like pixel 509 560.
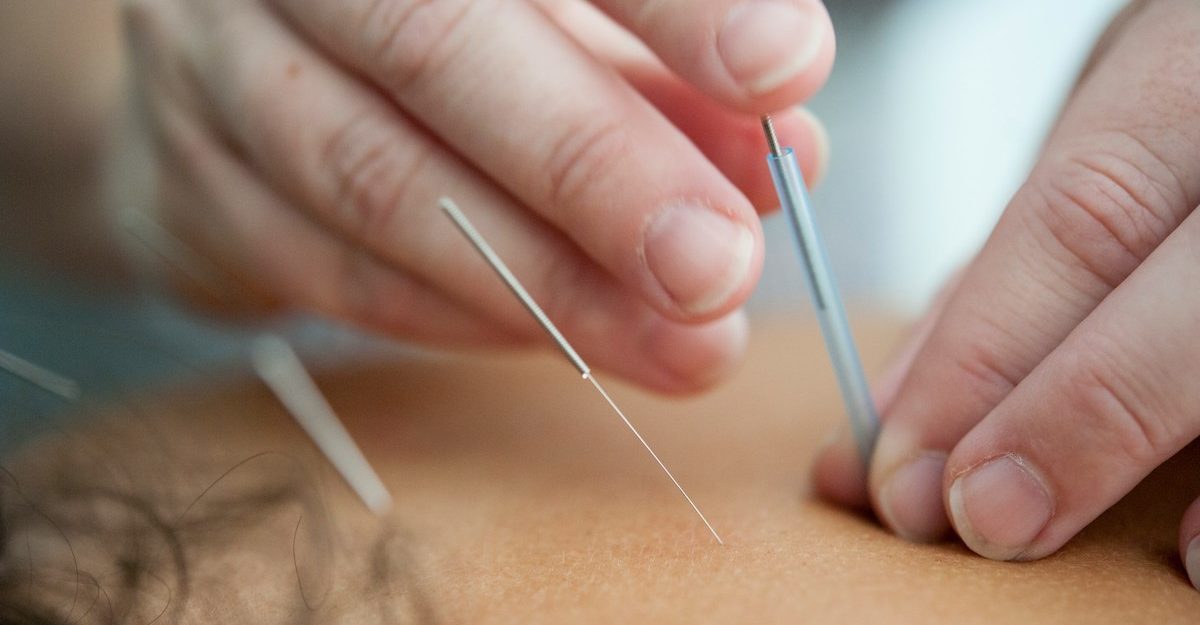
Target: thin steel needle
pixel 464 225
pixel 839 341
pixel 65 388
pixel 283 372
pixel 591 378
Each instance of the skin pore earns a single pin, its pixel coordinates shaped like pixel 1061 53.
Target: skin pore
pixel 520 498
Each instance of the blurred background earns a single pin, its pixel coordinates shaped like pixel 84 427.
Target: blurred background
pixel 936 109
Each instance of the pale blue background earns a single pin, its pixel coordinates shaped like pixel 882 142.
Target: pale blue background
pixel 936 110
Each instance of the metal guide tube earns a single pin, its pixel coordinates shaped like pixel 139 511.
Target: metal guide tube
pixel 831 312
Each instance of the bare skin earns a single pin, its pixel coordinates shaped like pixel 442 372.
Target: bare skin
pixel 293 149
pixel 516 505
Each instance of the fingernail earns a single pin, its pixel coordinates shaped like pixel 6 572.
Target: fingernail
pixel 765 43
pixel 698 355
pixel 699 257
pixel 910 501
pixel 1192 562
pixel 1000 507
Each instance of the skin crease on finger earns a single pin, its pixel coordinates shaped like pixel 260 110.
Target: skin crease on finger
pixel 162 34
pixel 668 356
pixel 1121 388
pixel 732 140
pixel 931 461
pixel 279 137
pixel 1109 404
pixel 1146 164
pixel 614 162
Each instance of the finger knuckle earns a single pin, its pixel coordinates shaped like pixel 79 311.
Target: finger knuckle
pixel 1108 212
pixel 1121 411
pixel 410 39
pixel 984 373
pixel 372 173
pixel 981 360
pixel 585 153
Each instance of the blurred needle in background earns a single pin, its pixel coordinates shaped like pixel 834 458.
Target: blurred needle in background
pixel 280 368
pixel 41 377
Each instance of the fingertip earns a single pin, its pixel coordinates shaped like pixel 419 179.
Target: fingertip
pixel 909 500
pixel 905 484
pixel 705 261
pixel 776 52
pixel 815 159
pixel 838 475
pixel 1189 543
pixel 692 358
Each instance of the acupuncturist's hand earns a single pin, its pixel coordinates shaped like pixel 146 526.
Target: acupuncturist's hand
pixel 300 147
pixel 1064 364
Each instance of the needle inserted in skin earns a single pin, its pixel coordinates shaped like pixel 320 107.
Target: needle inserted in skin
pixel 464 225
pixel 41 377
pixel 793 198
pixel 280 368
pixel 591 378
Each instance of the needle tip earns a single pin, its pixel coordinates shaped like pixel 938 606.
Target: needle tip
pixel 772 138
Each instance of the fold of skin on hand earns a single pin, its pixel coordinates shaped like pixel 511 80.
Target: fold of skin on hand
pixel 521 498
pixel 1054 380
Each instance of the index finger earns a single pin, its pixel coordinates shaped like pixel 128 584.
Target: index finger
pixel 563 133
pixel 1116 178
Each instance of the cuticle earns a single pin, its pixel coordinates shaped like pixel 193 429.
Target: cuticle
pixel 1036 474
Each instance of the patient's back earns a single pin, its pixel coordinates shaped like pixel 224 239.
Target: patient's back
pixel 519 498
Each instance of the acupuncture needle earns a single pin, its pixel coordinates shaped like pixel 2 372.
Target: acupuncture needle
pixel 281 369
pixel 481 245
pixel 41 377
pixel 831 312
pixel 178 255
